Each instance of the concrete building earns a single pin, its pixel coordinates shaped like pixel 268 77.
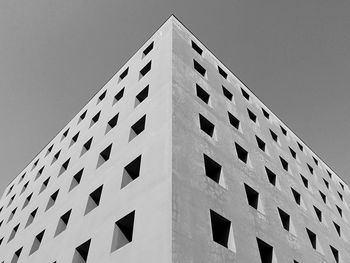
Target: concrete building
pixel 175 160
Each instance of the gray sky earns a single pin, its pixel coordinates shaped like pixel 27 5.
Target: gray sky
pixel 54 55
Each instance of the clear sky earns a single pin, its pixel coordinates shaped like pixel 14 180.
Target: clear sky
pixel 54 55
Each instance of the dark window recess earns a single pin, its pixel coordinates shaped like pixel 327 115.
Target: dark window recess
pixel 24 187
pixel 12 214
pixel 131 171
pixel 104 155
pixel 315 160
pixel 206 126
pixel 318 213
pixel 261 143
pixel 222 72
pixel 81 252
pixel 227 94
pixel 212 169
pixel 300 146
pixel 329 174
pixel 337 228
pixel 312 238
pixel 326 183
pixel 271 176
pixel 37 241
pixel 55 157
pixel 252 196
pixel 63 222
pixel 340 211
pixel 112 123
pixel 199 68
pixel 310 168
pixel 31 217
pixel 2 239
pixel 220 228
pixel 52 200
pixel 76 179
pixel 340 196
pixel 74 139
pixel 93 200
pixel 266 114
pixel 13 233
pixel 64 167
pixel 305 181
pixel 284 131
pixel 20 179
pixel 284 164
pixel 118 96
pixel 35 164
pixel 341 185
pixel 202 94
pixel 274 136
pixel 123 231
pixel 82 116
pixel 11 200
pixel 242 154
pixel 323 196
pixel 245 94
pixel 335 253
pixel 293 153
pixel 233 121
pixel 251 115
pixel 196 48
pixel 124 74
pixel 143 94
pixel 16 255
pixel 147 49
pixel 86 146
pixel 137 127
pixel 26 202
pixel 296 196
pixel 145 69
pixel 285 219
pixel 49 150
pixel 265 250
pixel 64 135
pixel 95 118
pixel 101 97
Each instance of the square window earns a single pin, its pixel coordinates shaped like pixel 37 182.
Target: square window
pixel 141 96
pixel 131 171
pixel 265 250
pixel 123 231
pixel 93 200
pixel 212 169
pixel 118 96
pixel 147 49
pixel 221 230
pixel 222 72
pixel 261 143
pixel 252 196
pixel 145 69
pixel 245 94
pixel 233 121
pixel 95 119
pixel 242 154
pixel 202 94
pixel 198 67
pixel 124 74
pixel 251 115
pixel 81 252
pixel 104 155
pixel 206 125
pixel 196 48
pixel 76 179
pixel 285 219
pixel 227 94
pixel 112 122
pixel 37 241
pixel 271 176
pixel 63 222
pixel 137 127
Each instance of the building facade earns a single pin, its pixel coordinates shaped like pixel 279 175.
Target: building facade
pixel 175 160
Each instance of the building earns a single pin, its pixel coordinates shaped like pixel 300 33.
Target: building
pixel 175 160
